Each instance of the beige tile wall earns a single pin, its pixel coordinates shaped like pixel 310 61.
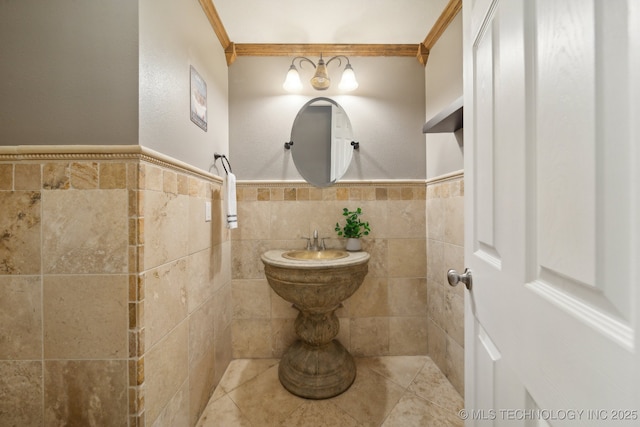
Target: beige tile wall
pixel 386 316
pixel 64 286
pixel 114 291
pixel 185 325
pixel 445 250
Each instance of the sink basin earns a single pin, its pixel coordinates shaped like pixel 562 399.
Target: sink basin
pixel 327 254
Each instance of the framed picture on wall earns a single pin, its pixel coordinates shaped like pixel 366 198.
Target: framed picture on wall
pixel 198 99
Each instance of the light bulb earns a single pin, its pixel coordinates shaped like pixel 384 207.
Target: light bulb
pixel 348 82
pixel 292 82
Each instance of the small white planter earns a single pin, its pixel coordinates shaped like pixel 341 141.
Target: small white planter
pixel 353 245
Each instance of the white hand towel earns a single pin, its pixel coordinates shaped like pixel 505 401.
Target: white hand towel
pixel 231 203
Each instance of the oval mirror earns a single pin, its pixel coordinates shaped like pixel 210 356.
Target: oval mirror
pixel 322 138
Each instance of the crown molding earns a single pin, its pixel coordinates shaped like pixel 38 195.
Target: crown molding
pixel 448 14
pixel 301 49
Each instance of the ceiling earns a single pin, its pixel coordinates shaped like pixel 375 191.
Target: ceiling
pixel 329 21
pixel 355 27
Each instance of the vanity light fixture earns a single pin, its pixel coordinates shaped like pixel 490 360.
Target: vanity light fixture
pixel 320 80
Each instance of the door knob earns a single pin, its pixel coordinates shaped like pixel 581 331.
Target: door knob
pixel 454 278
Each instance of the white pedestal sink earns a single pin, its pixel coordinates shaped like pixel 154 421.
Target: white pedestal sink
pixel 316 366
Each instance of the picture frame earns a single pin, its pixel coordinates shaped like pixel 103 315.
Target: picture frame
pixel 198 99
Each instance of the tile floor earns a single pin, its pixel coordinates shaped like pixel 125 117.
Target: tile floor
pixel 402 391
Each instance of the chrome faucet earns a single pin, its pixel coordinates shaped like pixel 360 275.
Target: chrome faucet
pixel 315 246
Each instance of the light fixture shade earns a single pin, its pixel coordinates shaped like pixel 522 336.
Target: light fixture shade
pixel 321 80
pixel 348 82
pixel 292 82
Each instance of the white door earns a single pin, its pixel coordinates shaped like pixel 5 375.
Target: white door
pixel 552 200
pixel 341 149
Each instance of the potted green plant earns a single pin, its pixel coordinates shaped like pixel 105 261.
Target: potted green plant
pixel 353 229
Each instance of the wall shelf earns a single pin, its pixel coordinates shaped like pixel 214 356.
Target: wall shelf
pixel 447 120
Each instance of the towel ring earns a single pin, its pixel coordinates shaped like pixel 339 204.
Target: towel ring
pixel 217 156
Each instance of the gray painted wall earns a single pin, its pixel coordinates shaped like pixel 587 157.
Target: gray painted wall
pixel 175 34
pixel 443 84
pixel 386 112
pixel 68 72
pixel 111 73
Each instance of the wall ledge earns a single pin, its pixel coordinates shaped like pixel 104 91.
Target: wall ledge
pixel 342 183
pixel 101 152
pixel 446 177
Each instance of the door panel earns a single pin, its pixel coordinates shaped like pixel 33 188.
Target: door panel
pixel 573 202
pixel 564 113
pixel 484 201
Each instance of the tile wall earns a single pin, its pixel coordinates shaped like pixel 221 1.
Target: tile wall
pixel 386 316
pixel 183 309
pixel 445 250
pixel 113 289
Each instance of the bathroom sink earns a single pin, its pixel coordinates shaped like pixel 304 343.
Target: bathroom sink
pixel 324 255
pixel 316 365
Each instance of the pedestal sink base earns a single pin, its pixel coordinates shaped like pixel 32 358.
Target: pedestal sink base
pixel 316 366
pixel 317 372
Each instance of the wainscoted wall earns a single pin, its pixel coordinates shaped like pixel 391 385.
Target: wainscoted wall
pixel 445 250
pixel 185 274
pixel 386 316
pixel 114 291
